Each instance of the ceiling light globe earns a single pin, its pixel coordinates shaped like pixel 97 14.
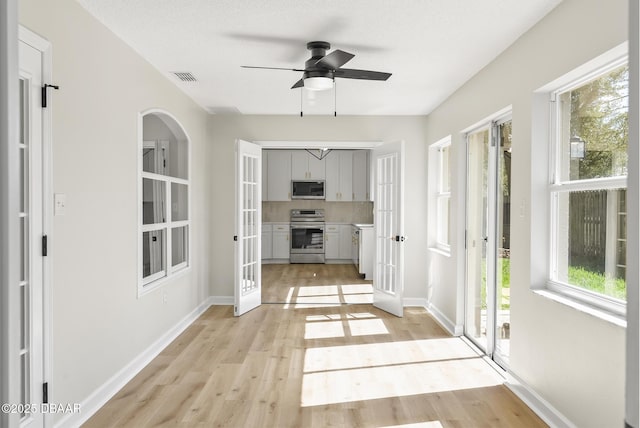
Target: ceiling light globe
pixel 318 83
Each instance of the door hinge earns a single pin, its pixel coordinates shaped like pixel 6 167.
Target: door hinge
pixel 44 245
pixel 235 237
pixel 44 93
pixel 45 393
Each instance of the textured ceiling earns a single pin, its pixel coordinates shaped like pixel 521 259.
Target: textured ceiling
pixel 431 46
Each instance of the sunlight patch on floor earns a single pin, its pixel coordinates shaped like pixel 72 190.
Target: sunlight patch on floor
pixel 367 327
pixel 358 298
pixel 357 289
pixel 318 290
pixel 323 330
pixel 380 354
pixel 342 386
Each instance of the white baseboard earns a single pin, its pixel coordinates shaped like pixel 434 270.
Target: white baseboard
pixel 104 393
pixel 221 300
pixel 453 328
pixel 549 414
pixel 414 301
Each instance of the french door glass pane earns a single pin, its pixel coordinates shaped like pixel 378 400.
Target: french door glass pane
pixel 477 230
pixel 25 280
pixel 23 170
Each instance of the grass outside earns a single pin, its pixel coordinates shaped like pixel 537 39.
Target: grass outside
pixel 580 277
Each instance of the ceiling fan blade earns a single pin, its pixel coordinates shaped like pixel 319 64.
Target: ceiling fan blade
pixel 298 84
pixel 334 60
pixel 271 68
pixel 349 73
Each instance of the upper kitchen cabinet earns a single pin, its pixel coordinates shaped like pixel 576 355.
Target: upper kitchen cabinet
pixel 339 167
pixel 361 179
pixel 278 175
pixel 265 175
pixel 305 166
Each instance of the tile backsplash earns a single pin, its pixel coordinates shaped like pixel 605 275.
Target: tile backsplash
pixel 334 212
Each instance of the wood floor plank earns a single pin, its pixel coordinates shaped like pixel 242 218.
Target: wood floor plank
pixel 344 366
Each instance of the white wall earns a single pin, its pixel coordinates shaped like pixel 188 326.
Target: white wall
pixel 573 360
pixel 226 129
pixel 99 325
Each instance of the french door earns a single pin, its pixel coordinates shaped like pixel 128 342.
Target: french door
pixel 248 272
pixel 488 268
pixel 388 163
pixel 31 352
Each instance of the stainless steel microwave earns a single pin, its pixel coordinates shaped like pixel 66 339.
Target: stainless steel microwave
pixel 307 189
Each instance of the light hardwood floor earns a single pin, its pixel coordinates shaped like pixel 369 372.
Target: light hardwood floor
pixel 314 283
pixel 296 365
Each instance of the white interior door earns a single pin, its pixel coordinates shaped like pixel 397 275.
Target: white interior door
pixel 388 166
pixel 248 287
pixel 31 286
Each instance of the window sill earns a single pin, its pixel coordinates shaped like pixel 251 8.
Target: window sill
pixel 441 251
pixel 584 307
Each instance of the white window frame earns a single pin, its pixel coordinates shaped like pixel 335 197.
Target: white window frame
pixel 152 282
pixel 439 195
pixel 609 308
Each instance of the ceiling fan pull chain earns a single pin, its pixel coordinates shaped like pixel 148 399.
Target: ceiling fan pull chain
pixel 335 96
pixel 301 89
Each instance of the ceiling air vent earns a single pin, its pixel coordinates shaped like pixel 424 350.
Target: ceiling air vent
pixel 184 76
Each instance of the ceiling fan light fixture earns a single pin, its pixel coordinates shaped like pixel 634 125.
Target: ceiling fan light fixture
pixel 318 83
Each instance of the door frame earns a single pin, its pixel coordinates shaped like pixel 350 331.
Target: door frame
pixel 9 224
pixel 490 124
pixel 311 144
pixel 44 46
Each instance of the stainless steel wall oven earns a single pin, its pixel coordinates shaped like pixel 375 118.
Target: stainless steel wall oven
pixel 307 236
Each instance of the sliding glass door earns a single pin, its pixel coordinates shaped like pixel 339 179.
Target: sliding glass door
pixel 488 270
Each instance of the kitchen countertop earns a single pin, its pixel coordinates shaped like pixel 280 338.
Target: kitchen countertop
pixel 363 225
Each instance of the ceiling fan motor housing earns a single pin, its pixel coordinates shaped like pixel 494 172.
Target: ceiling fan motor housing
pixel 318 51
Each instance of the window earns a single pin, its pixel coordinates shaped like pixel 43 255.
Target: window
pixel 164 200
pixel 588 188
pixel 441 193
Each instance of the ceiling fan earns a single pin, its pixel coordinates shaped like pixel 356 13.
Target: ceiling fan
pixel 321 69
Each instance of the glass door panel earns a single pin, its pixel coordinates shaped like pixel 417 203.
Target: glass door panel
pixel 477 237
pixel 488 269
pixel 503 256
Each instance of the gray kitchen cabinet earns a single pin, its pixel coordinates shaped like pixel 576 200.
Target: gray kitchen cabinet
pixel 280 243
pixel 345 242
pixel 265 175
pixel 267 241
pixel 339 167
pixel 332 242
pixel 360 175
pixel 278 175
pixel 305 166
pixel 337 241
